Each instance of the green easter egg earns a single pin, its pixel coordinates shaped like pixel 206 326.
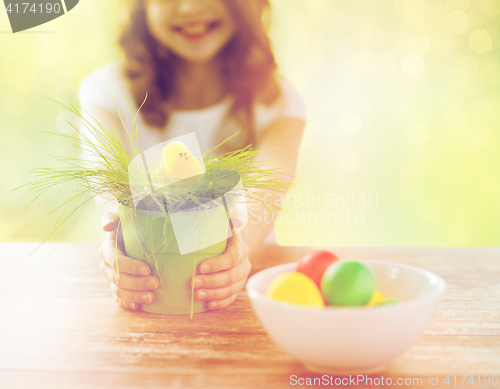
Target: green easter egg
pixel 348 283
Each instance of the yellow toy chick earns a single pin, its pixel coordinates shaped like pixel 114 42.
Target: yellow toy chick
pixel 177 163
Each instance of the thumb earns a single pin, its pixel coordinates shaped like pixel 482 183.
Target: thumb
pixel 237 222
pixel 110 221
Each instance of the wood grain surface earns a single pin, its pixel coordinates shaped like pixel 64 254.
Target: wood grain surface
pixel 60 326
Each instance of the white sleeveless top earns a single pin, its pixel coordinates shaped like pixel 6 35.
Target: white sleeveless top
pixel 106 87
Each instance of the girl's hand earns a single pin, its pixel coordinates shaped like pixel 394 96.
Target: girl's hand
pixel 136 284
pixel 223 276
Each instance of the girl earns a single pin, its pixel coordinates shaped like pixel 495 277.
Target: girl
pixel 208 68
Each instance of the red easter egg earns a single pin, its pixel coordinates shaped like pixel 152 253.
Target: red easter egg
pixel 314 264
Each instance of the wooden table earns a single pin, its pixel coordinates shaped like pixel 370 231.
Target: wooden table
pixel 60 326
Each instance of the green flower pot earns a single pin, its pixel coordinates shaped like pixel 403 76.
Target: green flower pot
pixel 148 236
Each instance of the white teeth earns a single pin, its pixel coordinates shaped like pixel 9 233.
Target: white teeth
pixel 196 30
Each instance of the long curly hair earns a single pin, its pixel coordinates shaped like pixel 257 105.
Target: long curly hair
pixel 250 68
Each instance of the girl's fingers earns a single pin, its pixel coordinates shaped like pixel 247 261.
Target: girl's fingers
pixel 110 221
pixel 222 278
pixel 225 274
pixel 237 221
pixel 131 296
pixel 127 305
pixel 110 254
pixel 220 304
pixel 219 293
pixel 236 249
pixel 221 262
pixel 127 281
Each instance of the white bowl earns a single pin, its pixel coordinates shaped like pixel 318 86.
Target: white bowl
pixel 351 340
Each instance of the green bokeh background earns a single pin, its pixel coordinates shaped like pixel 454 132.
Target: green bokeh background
pixel 403 102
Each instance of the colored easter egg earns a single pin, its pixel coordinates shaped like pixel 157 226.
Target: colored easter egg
pixel 376 299
pixel 315 263
pixel 347 283
pixel 295 287
pixel 389 302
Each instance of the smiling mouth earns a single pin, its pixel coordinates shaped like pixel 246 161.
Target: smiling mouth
pixel 196 30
